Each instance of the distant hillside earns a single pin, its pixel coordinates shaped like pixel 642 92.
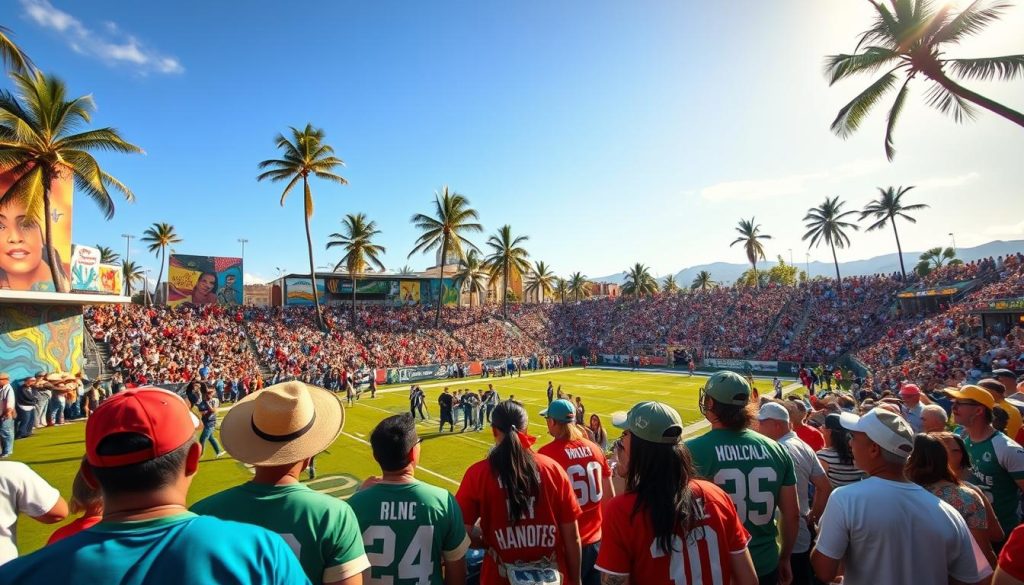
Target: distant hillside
pixel 726 272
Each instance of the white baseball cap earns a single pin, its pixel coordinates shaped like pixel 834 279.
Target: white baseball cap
pixel 773 410
pixel 885 428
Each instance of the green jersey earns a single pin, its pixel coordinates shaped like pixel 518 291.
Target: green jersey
pixel 752 469
pixel 997 464
pixel 407 529
pixel 322 531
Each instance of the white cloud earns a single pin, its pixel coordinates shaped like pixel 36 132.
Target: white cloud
pixel 1016 229
pixel 111 45
pixel 249 278
pixel 946 182
pixel 757 189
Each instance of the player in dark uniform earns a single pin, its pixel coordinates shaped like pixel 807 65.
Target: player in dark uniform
pixel 447 403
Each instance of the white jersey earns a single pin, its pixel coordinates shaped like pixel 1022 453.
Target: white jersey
pixel 22 491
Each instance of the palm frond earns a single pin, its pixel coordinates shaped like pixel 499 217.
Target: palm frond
pixel 949 103
pixel 1004 68
pixel 971 20
pixel 853 113
pixel 894 114
pixel 838 67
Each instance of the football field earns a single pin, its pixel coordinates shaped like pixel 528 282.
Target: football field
pixel 55 452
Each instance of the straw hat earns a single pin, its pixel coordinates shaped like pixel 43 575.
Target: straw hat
pixel 282 424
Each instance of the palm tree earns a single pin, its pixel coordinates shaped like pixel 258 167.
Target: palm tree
pixel 935 258
pixel 11 55
pixel 159 237
pixel 452 217
pixel 577 286
pixel 750 237
pixel 508 259
pixel 304 154
pixel 356 239
pixel 37 146
pixel 472 275
pixel 541 280
pixel 639 281
pixel 912 39
pixel 406 270
pixel 562 289
pixel 108 255
pixel 132 273
pixel 826 224
pixel 670 285
pixel 702 281
pixel 886 209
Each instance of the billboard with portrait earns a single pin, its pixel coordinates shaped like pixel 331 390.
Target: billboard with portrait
pixel 204 280
pixel 24 259
pixel 409 292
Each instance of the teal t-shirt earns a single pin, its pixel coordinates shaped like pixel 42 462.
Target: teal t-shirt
pixel 173 550
pixel 752 469
pixel 407 529
pixel 997 463
pixel 322 531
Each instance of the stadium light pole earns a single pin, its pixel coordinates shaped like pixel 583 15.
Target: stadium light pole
pixel 807 264
pixel 951 235
pixel 243 242
pixel 128 246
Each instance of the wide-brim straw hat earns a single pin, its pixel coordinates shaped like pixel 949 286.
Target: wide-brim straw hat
pixel 281 424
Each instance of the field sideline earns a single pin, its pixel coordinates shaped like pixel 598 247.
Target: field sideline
pixel 54 453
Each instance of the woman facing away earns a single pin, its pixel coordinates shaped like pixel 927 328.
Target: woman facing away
pixel 525 505
pixel 960 463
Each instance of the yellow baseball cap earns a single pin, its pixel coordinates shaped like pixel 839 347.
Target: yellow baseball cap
pixel 972 392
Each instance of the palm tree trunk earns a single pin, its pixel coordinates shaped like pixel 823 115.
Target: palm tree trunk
pixel 899 249
pixel 354 283
pixel 440 295
pixel 757 281
pixel 309 247
pixel 504 294
pixel 60 280
pixel 160 273
pixel 839 279
pixel 990 105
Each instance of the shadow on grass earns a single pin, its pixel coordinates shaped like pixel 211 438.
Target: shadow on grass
pixel 51 461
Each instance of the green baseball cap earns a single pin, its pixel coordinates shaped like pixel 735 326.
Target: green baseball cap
pixel 651 421
pixel 728 388
pixel 560 410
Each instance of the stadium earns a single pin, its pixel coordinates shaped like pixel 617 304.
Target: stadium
pixel 488 419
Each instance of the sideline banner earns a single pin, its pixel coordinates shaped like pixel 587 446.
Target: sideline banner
pixel 742 365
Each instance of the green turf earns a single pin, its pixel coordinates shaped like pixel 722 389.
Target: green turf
pixel 54 453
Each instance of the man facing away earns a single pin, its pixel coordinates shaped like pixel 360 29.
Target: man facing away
pixel 886 528
pixel 142 454
pixel 409 528
pixel 278 430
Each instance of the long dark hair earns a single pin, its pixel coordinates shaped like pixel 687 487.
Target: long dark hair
pixel 659 474
pixel 929 462
pixel 841 444
pixel 512 462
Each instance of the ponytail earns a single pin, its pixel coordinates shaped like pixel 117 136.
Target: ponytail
pixel 512 462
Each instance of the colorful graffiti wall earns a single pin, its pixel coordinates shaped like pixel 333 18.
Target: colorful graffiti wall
pixel 24 259
pixel 204 280
pixel 37 338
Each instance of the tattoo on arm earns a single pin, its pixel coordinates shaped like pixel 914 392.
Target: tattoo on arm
pixel 607 579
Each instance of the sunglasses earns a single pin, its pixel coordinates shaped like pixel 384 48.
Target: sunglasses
pixel 959 404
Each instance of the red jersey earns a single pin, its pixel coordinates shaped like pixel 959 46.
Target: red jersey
pixel 1011 558
pixel 586 466
pixel 811 436
pixel 700 557
pixel 536 536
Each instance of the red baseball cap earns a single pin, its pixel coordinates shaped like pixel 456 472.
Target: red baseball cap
pixel 155 413
pixel 910 390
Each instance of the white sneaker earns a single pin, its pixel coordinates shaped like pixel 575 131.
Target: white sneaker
pixel 218 455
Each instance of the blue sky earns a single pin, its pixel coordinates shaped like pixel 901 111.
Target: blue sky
pixel 607 132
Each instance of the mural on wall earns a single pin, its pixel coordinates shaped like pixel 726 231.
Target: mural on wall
pixel 111 279
pixel 37 338
pixel 409 291
pixel 204 280
pixel 298 291
pixel 23 255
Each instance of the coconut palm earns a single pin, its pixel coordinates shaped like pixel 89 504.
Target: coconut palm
pixel 639 281
pixel 886 209
pixel 132 273
pixel 577 286
pixel 356 239
pixel 562 289
pixel 37 146
pixel 507 259
pixel 702 281
pixel 541 280
pixel 670 285
pixel 10 54
pixel 159 237
pixel 911 39
pixel 452 217
pixel 108 255
pixel 472 275
pixel 936 258
pixel 825 224
pixel 750 237
pixel 406 270
pixel 304 154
